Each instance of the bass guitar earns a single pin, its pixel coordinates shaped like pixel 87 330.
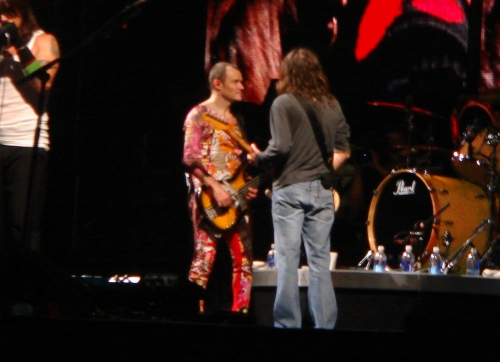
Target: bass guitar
pixel 223 219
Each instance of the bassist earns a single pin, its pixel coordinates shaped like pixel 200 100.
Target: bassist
pixel 213 155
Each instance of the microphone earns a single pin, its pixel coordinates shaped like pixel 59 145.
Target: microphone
pixel 402 237
pixel 367 256
pixel 4 36
pixel 424 224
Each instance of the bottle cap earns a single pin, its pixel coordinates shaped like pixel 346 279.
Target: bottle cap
pixel 473 251
pixel 408 248
pixel 435 249
pixel 380 248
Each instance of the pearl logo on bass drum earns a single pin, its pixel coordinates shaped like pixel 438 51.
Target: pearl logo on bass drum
pixel 403 190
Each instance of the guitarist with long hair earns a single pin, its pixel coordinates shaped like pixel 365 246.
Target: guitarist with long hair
pixel 302 202
pixel 213 149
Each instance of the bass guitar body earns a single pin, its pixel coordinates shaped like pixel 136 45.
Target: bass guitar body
pixel 223 219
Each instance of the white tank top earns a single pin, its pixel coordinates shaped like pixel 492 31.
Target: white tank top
pixel 18 118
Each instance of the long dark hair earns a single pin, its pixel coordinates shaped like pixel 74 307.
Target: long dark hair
pixel 301 73
pixel 23 10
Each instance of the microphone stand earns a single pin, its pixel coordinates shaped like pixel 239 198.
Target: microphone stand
pixel 368 257
pixel 418 229
pixel 491 188
pixel 448 264
pixel 409 119
pixel 26 232
pixel 486 255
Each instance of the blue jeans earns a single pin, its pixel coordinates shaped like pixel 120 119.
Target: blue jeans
pixel 303 212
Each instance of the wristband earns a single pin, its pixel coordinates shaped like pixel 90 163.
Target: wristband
pixel 32 67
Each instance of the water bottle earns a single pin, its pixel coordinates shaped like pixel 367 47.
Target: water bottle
pixel 270 258
pixel 408 260
pixel 473 263
pixel 380 260
pixel 435 261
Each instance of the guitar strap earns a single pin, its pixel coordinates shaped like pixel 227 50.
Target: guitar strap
pixel 318 133
pixel 241 125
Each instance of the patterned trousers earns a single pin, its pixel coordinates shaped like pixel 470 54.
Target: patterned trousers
pixel 240 247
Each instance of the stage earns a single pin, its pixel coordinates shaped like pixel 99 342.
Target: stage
pixel 394 301
pixel 381 316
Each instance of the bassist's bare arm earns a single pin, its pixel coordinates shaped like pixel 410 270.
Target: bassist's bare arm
pixel 221 196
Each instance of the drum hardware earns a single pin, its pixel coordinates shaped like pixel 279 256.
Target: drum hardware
pixel 491 196
pixel 448 238
pixel 410 237
pixel 416 236
pixel 410 111
pixel 427 148
pixel 477 161
pixel 471 133
pixel 455 258
pixel 405 107
pixel 477 156
pixel 411 125
pixel 487 254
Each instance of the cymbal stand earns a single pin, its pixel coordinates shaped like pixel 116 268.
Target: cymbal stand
pixel 411 127
pixel 453 260
pixel 491 189
pixel 487 255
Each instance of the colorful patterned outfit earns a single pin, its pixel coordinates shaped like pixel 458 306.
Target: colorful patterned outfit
pixel 219 155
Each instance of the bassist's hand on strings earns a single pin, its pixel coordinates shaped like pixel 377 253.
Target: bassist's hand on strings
pixel 252 193
pixel 221 196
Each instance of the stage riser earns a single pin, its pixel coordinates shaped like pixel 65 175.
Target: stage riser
pixel 395 302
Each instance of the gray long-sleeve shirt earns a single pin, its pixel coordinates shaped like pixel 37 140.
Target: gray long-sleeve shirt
pixel 293 149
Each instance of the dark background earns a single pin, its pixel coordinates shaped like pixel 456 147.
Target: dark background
pixel 116 201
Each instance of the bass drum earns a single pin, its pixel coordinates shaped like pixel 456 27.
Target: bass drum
pixel 421 209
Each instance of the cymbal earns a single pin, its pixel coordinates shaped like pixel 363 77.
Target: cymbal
pixel 431 148
pixel 404 107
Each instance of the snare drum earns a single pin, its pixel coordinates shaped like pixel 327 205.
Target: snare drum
pixel 474 160
pixel 426 210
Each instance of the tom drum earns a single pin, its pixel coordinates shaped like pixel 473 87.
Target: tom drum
pixel 475 157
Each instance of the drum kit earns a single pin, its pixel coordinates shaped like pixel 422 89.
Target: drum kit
pixel 455 212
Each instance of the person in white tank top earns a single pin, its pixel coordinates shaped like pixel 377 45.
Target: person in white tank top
pixel 25 48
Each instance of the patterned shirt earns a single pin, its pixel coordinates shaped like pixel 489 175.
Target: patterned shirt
pixel 217 152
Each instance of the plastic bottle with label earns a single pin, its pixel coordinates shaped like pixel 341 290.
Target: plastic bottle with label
pixel 435 262
pixel 473 263
pixel 271 264
pixel 408 260
pixel 380 260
